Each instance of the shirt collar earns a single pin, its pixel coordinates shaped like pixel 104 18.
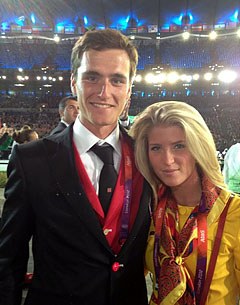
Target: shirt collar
pixel 85 139
pixel 65 123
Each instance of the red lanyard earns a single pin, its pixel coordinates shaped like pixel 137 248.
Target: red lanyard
pixel 200 274
pixel 127 200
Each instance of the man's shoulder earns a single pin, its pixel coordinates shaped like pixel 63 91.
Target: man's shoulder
pixel 59 128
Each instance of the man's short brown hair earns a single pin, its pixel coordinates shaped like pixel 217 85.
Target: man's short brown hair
pixel 102 40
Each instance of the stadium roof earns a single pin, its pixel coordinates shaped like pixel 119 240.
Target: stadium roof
pixel 112 12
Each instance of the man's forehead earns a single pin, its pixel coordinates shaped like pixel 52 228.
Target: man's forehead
pixel 94 58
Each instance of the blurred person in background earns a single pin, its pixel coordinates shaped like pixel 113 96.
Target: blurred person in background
pixel 24 135
pixel 68 109
pixel 193 249
pixel 231 168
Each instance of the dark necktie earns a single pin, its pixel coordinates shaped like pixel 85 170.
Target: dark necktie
pixel 108 176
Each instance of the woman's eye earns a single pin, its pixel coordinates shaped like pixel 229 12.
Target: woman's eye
pixel 155 148
pixel 179 146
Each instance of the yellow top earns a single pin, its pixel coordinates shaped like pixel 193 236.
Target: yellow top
pixel 225 286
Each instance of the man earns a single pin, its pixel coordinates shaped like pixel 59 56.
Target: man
pixel 84 253
pixel 68 109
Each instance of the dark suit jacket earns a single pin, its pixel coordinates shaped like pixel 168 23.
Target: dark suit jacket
pixel 72 259
pixel 59 128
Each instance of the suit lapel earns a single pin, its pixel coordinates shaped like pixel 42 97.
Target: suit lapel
pixel 62 165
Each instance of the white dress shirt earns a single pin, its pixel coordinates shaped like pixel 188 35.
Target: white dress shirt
pixel 84 140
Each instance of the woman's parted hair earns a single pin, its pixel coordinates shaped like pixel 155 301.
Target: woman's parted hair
pixel 102 40
pixel 199 139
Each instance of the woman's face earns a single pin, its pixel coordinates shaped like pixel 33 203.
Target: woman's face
pixel 170 157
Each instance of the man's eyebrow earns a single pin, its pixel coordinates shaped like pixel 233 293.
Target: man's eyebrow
pixel 91 73
pixel 95 73
pixel 119 75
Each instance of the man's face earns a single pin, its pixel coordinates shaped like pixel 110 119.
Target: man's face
pixel 70 112
pixel 103 88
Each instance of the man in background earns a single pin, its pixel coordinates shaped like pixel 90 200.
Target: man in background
pixel 68 109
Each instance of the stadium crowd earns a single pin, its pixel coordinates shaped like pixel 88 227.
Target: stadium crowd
pixel 221 114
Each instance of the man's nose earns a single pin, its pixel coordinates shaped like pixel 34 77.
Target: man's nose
pixel 104 90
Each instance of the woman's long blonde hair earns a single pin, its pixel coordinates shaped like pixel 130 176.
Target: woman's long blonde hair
pixel 198 138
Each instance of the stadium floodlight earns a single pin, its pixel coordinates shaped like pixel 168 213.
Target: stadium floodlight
pixel 186 78
pixel 161 78
pixel 172 77
pixel 20 78
pixel 196 76
pixel 227 76
pixel 208 76
pixel 238 33
pixel 19 85
pixel 185 35
pixel 212 35
pixel 138 78
pixel 149 78
pixel 56 38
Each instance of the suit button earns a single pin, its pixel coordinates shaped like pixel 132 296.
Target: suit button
pixel 116 266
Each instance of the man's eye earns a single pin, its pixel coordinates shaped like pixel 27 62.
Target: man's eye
pixel 118 81
pixel 91 79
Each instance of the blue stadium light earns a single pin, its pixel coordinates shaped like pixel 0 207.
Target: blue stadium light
pixel 20 20
pixel 184 19
pixel 178 20
pixel 33 19
pixel 85 19
pixel 120 22
pixel 234 17
pixel 4 26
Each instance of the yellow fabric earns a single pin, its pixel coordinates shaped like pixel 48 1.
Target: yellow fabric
pixel 225 286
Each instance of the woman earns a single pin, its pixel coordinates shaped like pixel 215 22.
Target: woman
pixel 25 135
pixel 175 151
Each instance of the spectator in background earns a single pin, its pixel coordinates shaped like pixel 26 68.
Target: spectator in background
pixel 68 110
pixel 24 135
pixel 195 218
pixel 5 141
pixel 231 168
